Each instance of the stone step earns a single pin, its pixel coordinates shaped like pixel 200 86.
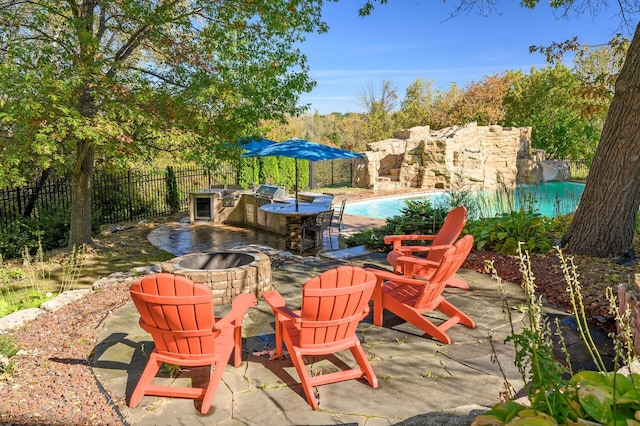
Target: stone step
pixel 388 178
pixel 388 185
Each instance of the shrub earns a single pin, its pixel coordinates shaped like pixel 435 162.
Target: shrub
pixel 247 171
pixel 49 232
pixel 417 216
pixel 372 238
pixel 172 197
pixel 32 299
pixel 503 233
pixel 55 230
pixel 17 235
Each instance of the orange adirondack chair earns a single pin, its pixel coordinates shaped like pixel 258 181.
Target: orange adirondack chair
pixel 179 316
pixel 332 306
pixel 411 298
pixel 401 254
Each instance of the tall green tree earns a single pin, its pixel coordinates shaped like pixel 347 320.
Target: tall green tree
pixel 118 78
pixel 417 105
pixel 550 101
pixel 352 129
pixel 445 107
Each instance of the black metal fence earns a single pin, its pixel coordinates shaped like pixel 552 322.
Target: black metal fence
pixel 136 195
pixel 118 197
pixel 332 173
pixel 35 199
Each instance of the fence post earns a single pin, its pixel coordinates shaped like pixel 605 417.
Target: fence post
pixel 19 202
pixel 129 195
pixel 333 179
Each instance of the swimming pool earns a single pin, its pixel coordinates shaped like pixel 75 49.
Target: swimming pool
pixel 550 199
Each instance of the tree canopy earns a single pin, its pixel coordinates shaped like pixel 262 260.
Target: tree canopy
pixel 102 80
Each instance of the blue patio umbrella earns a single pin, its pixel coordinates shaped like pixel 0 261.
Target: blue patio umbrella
pixel 252 143
pixel 303 150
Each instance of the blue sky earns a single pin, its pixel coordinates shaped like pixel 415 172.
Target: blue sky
pixel 409 39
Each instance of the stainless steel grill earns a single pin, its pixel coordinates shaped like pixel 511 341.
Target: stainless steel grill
pixel 266 194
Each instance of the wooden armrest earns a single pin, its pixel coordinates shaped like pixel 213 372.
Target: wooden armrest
pixel 416 261
pixel 278 305
pixel 273 298
pixel 283 310
pixel 407 250
pixel 388 239
pixel 239 308
pixel 409 264
pixel 390 276
pixel 415 249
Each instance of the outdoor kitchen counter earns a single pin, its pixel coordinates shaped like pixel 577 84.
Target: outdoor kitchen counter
pixel 308 208
pixel 309 203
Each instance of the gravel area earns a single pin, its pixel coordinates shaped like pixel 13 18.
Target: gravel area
pixel 53 383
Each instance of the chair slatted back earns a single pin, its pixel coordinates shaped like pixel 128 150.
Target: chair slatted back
pixel 451 261
pixel 334 303
pixel 177 313
pixel 341 213
pixel 325 218
pixel 451 228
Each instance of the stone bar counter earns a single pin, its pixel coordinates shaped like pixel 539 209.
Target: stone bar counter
pixel 307 209
pixel 243 208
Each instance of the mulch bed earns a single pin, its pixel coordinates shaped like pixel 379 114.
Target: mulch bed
pixel 594 276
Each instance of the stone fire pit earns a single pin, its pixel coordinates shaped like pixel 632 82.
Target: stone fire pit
pixel 227 273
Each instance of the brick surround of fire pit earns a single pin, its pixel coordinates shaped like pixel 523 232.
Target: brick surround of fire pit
pixel 227 273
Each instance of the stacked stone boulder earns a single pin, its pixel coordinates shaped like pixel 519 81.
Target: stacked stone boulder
pixel 471 156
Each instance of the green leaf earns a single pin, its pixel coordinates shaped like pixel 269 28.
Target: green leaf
pixel 500 413
pixel 598 410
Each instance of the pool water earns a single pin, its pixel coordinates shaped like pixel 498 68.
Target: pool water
pixel 550 199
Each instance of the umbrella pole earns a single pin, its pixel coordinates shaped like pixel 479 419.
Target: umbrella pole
pixel 296 184
pixel 254 178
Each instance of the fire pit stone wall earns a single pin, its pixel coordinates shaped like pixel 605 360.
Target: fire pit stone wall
pixel 227 274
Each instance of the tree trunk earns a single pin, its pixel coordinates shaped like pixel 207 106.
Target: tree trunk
pixel 80 231
pixel 36 193
pixel 604 223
